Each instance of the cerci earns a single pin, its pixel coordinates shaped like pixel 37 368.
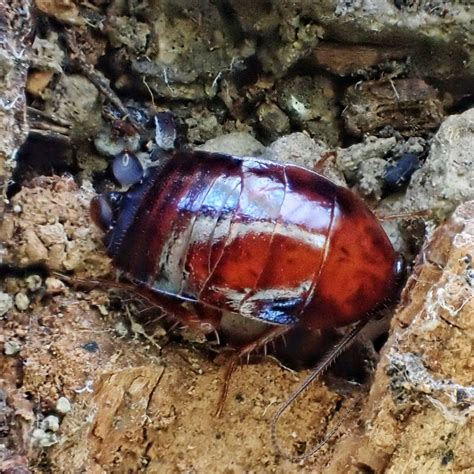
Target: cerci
pixel 203 233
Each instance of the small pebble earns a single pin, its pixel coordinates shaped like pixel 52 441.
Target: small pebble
pixel 121 329
pixel 17 209
pixel 6 302
pixel 102 309
pixel 22 301
pixel 50 423
pixel 43 439
pixel 63 405
pixel 273 121
pixel 33 282
pixel 12 347
pixel 54 285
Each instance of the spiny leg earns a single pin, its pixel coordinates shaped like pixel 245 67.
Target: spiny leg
pixel 168 303
pixel 326 361
pixel 263 339
pixel 383 215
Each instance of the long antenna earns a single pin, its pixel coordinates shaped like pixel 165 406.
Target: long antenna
pixel 326 361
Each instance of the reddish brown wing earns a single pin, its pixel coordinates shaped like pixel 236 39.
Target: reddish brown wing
pixel 359 272
pixel 254 237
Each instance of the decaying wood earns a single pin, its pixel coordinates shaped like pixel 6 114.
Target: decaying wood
pixel 15 27
pixel 345 59
pixel 409 105
pixel 16 417
pixel 48 126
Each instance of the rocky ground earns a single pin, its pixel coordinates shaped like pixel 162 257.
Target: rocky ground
pixel 376 95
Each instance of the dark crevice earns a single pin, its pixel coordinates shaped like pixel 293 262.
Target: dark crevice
pixel 231 21
pixel 41 156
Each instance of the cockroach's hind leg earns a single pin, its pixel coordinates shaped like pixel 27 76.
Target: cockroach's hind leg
pixel 244 351
pixel 232 364
pixel 319 370
pixel 203 322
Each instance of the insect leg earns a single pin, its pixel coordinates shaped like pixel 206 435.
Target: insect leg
pixel 205 322
pixel 318 371
pixel 411 215
pixel 262 340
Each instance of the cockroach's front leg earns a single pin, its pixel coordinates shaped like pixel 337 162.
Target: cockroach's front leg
pixel 206 322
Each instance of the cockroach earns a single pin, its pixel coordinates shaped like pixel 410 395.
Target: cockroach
pixel 202 234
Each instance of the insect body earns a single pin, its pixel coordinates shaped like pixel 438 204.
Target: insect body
pixel 205 234
pixel 264 240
